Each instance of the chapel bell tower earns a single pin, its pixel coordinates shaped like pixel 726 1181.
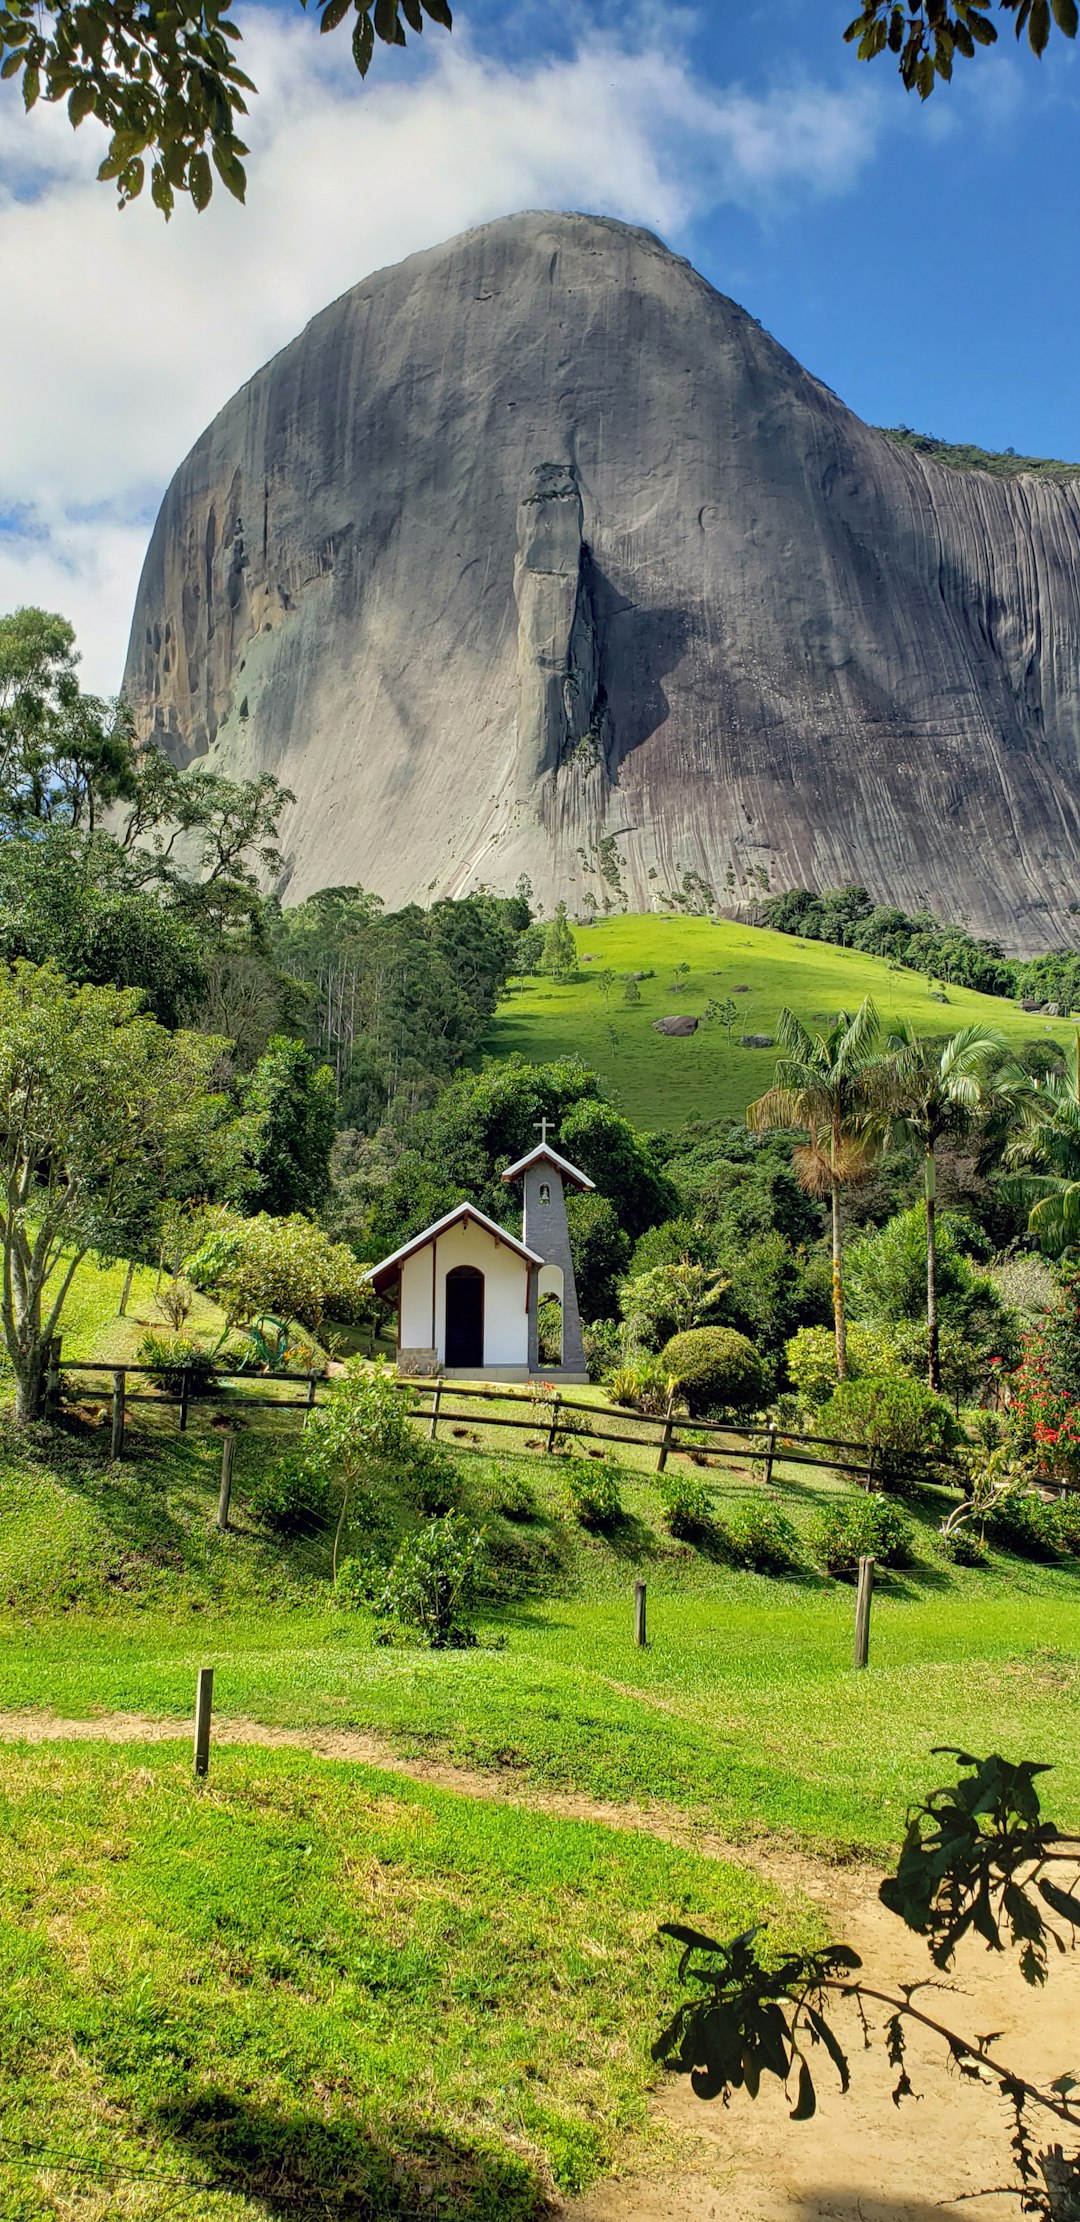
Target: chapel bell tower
pixel 546 1177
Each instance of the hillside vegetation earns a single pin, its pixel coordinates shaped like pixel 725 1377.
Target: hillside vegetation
pixel 660 1080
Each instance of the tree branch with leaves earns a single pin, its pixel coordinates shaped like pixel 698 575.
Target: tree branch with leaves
pixel 979 1856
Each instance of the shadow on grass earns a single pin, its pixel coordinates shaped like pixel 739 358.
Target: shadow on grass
pixel 627 1536
pixel 294 2161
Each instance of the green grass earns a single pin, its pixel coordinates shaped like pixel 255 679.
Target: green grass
pixel 660 1080
pixel 744 1710
pixel 319 1988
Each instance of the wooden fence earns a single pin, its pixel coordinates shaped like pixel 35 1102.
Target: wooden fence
pixel 548 1417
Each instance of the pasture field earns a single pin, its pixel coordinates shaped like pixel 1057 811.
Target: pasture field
pixel 659 1080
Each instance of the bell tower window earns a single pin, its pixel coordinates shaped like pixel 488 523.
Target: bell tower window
pixel 545 1192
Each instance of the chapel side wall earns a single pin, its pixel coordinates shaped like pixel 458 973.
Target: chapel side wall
pixel 415 1330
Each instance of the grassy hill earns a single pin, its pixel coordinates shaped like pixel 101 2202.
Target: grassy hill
pixel 660 1080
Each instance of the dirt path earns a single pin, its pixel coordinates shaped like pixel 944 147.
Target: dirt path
pixel 861 2159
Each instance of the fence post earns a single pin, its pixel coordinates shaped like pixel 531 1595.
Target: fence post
pixel 310 1398
pixel 228 1453
pixel 204 1694
pixel 770 1454
pixel 665 1440
pixel 639 1613
pixel 863 1596
pixel 554 1428
pixel 118 1379
pixel 52 1377
pixel 872 1474
pixel 436 1399
pixel 185 1388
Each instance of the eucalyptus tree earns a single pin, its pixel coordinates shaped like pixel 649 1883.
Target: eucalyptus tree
pixel 834 1088
pixel 937 1089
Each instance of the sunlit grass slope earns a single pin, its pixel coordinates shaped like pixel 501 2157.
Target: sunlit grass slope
pixel 660 1080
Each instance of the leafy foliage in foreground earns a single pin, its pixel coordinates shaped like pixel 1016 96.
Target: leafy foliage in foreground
pixel 977 1856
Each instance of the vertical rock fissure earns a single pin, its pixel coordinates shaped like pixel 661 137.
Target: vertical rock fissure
pixel 562 706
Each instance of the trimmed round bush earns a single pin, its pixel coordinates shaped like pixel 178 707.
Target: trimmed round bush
pixel 757 1536
pixel 861 1527
pixel 511 1495
pixel 686 1506
pixel 715 1368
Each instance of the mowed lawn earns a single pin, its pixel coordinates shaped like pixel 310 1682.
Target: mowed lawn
pixel 660 1080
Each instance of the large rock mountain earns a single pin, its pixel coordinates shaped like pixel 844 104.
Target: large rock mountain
pixel 535 554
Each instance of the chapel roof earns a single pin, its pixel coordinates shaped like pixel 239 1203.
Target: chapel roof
pixel 387 1269
pixel 544 1151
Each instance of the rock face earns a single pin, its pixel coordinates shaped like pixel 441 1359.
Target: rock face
pixel 535 554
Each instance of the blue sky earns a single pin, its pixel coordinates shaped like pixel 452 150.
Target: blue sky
pixel 922 260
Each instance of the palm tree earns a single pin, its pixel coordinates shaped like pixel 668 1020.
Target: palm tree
pixel 832 1086
pixel 1050 1140
pixel 937 1087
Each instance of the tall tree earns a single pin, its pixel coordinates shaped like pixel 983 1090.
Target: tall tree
pixel 291 1102
pixel 1046 1156
pixel 937 1089
pixel 102 1114
pixel 831 1087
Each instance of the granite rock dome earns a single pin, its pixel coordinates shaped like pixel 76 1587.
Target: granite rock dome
pixel 536 554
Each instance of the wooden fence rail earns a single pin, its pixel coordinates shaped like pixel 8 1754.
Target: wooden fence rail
pixel 549 1416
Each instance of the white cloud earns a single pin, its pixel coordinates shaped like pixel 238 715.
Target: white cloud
pixel 121 337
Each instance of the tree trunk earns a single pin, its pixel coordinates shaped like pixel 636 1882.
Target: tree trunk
pixel 30 1378
pixel 128 1278
pixel 838 1288
pixel 933 1357
pixel 1062 2180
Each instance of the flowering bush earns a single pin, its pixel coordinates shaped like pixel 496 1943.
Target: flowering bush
pixel 1045 1404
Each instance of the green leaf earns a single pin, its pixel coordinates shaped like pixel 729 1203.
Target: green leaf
pixel 200 181
pixel 689 1936
pixel 1066 16
pixel 1039 26
pixel 388 26
pixel 31 86
pixel 439 13
pixel 363 43
pixel 231 172
pixel 334 13
pixel 1062 1901
pixel 805 2106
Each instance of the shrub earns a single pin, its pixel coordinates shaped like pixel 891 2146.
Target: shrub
pixel 592 1491
pixel 861 1527
pixel 686 1506
pixel 511 1495
pixel 645 1386
pixel 603 1341
pixel 962 1547
pixel 810 1357
pixel 175 1299
pixel 430 1478
pixel 716 1369
pixel 901 1419
pixel 758 1537
pixel 431 1583
pixel 1021 1522
pixel 169 1357
pixel 1067 1525
pixel 290 1498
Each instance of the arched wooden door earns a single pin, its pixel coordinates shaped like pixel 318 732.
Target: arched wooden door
pixel 465 1316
